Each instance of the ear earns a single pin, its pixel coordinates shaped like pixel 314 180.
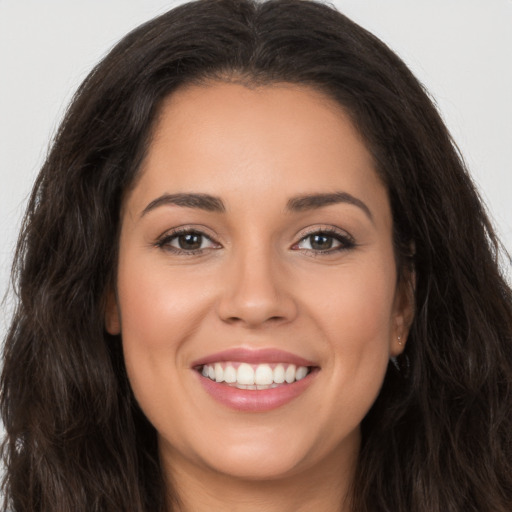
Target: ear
pixel 112 317
pixel 404 306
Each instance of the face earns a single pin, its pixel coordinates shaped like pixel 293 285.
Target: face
pixel 256 291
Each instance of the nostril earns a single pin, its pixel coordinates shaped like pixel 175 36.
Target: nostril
pixel 255 306
pixel 255 321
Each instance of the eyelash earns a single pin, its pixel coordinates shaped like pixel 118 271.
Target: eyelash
pixel 164 242
pixel 345 240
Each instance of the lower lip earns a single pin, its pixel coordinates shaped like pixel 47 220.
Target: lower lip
pixel 256 400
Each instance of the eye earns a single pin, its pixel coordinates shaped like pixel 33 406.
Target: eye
pixel 186 241
pixel 325 241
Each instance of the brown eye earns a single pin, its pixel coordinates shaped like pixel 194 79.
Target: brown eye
pixel 321 242
pixel 189 241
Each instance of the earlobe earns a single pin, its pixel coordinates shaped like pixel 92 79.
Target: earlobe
pixel 398 345
pixel 404 314
pixel 112 317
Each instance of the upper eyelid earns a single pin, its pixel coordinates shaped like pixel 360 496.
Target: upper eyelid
pixel 179 230
pixel 327 229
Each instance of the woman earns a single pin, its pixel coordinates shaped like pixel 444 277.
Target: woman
pixel 255 275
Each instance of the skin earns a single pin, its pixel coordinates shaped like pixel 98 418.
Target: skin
pixel 258 283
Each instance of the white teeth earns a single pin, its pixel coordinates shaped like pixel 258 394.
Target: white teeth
pixel 258 376
pixel 245 374
pixel 289 375
pixel 279 374
pixel 263 376
pixel 229 374
pixel 302 371
pixel 219 372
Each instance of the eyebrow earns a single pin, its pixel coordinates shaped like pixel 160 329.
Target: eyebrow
pixel 295 204
pixel 314 201
pixel 198 201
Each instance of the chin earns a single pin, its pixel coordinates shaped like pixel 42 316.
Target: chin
pixel 266 454
pixel 258 463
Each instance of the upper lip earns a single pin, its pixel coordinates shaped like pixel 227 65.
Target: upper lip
pixel 252 356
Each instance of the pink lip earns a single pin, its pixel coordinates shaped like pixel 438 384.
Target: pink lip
pixel 249 400
pixel 244 355
pixel 262 400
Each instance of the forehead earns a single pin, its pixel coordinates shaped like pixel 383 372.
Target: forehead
pixel 225 138
pixel 292 117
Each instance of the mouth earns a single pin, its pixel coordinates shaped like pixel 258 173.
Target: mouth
pixel 255 380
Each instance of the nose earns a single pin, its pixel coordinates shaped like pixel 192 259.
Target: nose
pixel 256 291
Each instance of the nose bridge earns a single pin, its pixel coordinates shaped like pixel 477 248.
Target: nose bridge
pixel 254 289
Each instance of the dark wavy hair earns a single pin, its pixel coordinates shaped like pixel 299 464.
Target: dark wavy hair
pixel 438 438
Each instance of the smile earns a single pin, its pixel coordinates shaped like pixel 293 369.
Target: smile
pixel 255 380
pixel 254 376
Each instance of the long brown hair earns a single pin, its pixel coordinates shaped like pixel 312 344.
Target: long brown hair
pixel 438 438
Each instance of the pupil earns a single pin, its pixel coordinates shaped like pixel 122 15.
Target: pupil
pixel 321 242
pixel 190 241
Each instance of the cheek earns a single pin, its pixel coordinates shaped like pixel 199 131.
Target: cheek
pixel 356 306
pixel 158 306
pixel 355 312
pixel 160 310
